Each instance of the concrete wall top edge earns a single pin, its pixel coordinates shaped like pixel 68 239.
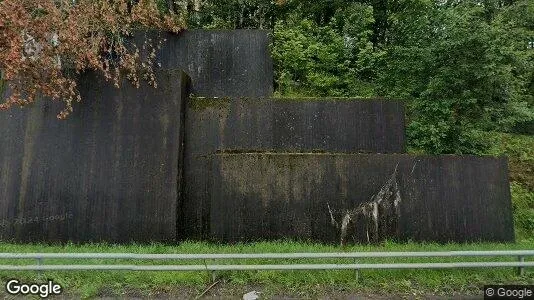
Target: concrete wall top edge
pixel 281 99
pixel 318 153
pixel 197 30
pixel 227 30
pixel 295 99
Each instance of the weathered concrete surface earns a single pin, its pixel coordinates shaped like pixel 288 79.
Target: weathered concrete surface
pixel 221 63
pixel 309 124
pixel 265 196
pixel 286 125
pixel 110 172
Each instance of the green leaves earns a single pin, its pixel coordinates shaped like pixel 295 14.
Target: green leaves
pixel 523 206
pixel 464 74
pixel 310 58
pixel 336 59
pixel 461 66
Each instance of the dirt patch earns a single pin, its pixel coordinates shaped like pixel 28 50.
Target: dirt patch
pixel 231 291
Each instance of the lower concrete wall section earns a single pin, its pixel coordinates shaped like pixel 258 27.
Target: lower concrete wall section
pixel 258 196
pixel 109 172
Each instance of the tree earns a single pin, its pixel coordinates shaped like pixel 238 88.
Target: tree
pixel 44 44
pixel 460 71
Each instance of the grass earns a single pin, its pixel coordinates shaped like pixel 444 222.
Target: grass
pixel 520 152
pixel 301 283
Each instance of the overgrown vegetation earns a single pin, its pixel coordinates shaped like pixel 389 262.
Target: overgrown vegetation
pixel 523 205
pixel 296 283
pixel 520 152
pixel 462 66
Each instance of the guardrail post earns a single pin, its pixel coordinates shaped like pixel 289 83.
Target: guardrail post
pixel 521 270
pixel 213 276
pixel 39 263
pixel 356 272
pixel 211 273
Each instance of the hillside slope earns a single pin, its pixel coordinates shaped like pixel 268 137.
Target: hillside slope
pixel 520 152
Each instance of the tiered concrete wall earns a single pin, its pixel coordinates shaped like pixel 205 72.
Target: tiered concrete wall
pixel 141 164
pixel 279 125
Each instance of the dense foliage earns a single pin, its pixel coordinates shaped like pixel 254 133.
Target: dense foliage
pixel 520 152
pixel 462 66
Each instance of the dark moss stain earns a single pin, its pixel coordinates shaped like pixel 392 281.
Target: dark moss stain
pixel 199 103
pixel 318 99
pixel 202 103
pixel 266 151
pixel 289 152
pixel 300 152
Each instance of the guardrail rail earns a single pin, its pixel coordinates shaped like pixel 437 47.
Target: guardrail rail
pixel 520 264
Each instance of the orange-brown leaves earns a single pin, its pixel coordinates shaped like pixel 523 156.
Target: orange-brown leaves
pixel 44 43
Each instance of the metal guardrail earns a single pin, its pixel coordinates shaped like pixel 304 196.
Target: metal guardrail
pixel 40 257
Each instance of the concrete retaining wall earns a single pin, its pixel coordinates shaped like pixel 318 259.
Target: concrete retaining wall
pixel 221 63
pixel 243 197
pixel 280 125
pixel 313 124
pixel 110 172
pixel 142 165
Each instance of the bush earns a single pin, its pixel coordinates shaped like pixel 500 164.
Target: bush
pixel 309 59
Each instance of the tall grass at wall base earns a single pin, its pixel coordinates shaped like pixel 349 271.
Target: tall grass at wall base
pixel 520 152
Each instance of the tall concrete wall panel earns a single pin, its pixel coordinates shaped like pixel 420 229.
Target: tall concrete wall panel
pixel 110 172
pixel 221 63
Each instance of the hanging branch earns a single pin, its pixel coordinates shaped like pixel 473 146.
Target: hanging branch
pixel 38 39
